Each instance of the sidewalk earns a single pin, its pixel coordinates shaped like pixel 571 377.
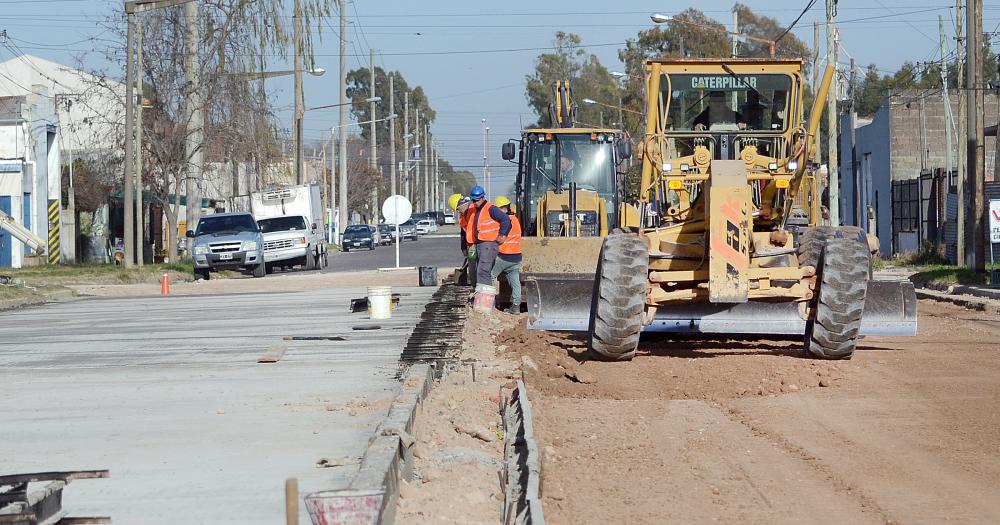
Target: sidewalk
pixel 980 298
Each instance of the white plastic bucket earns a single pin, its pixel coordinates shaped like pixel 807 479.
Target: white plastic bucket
pixel 380 302
pixel 485 297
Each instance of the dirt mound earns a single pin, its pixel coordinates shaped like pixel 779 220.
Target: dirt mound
pixel 668 367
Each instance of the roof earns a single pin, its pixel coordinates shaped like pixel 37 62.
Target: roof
pixel 571 131
pixel 23 71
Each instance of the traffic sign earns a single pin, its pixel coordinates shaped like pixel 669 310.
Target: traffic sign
pixel 995 221
pixel 396 210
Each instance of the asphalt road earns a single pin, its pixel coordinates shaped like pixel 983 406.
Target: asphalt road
pixel 166 393
pixel 442 251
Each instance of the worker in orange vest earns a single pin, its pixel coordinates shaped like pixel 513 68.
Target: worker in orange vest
pixel 462 206
pixel 509 257
pixel 486 230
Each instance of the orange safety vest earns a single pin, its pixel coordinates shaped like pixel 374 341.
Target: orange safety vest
pixel 512 246
pixel 465 221
pixel 485 228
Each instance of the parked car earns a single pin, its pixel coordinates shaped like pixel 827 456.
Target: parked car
pixel 386 234
pixel 359 236
pixel 449 217
pixel 437 217
pixel 227 241
pixel 408 230
pixel 425 226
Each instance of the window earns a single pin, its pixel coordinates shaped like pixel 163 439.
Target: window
pixel 722 102
pixel 282 224
pixel 226 224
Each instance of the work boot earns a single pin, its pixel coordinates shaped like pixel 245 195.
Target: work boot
pixel 514 310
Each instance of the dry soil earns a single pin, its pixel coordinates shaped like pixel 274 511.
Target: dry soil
pixel 752 431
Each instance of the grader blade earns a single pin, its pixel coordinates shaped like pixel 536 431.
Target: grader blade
pixel 562 302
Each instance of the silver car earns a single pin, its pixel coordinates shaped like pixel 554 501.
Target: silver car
pixel 227 241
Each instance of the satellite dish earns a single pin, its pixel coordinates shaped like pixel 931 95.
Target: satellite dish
pixel 396 210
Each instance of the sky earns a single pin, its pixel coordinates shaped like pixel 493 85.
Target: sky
pixel 471 57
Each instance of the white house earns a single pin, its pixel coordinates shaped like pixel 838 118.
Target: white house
pixel 89 108
pixel 30 174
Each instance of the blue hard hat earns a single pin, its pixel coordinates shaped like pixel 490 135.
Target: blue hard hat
pixel 477 193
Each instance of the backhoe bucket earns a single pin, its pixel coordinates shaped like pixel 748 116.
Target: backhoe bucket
pixel 562 302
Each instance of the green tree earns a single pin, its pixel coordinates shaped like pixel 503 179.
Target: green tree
pixel 587 77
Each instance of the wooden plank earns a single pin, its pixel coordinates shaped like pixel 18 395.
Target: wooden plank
pixel 273 354
pixel 69 475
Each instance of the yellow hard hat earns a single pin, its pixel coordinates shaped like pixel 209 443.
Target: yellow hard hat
pixel 453 200
pixel 501 201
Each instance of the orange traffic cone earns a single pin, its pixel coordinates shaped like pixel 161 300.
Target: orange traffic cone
pixel 165 284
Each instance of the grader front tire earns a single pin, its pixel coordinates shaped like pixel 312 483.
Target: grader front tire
pixel 844 267
pixel 619 298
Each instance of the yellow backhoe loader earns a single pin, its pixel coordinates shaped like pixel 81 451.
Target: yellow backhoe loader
pixel 569 196
pixel 731 239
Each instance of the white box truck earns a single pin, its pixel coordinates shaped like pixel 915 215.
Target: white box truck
pixel 291 220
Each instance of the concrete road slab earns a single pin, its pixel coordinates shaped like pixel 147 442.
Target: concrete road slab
pixel 166 393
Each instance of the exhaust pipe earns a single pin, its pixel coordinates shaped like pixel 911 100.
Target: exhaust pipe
pixel 572 209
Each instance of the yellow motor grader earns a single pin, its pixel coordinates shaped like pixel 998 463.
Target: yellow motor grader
pixel 729 238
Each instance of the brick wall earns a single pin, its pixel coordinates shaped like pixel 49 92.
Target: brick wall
pixel 906 125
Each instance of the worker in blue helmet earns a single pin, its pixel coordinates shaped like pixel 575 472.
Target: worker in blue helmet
pixel 487 229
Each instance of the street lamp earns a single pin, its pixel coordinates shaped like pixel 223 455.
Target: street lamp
pixel 256 75
pixel 367 100
pixel 390 117
pixel 661 18
pixel 260 75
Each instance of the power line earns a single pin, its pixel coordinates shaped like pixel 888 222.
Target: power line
pixel 796 21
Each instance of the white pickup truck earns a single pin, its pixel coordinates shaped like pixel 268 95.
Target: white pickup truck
pixel 291 220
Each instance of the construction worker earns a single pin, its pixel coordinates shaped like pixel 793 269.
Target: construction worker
pixel 486 230
pixel 509 257
pixel 461 204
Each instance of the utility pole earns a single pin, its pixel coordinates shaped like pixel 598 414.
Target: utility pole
pixel 963 137
pixel 416 166
pixel 392 141
pixel 486 174
pixel 818 155
pixel 140 227
pixel 372 161
pixel 193 106
pixel 736 32
pixel 129 219
pixel 436 199
pixel 486 160
pixel 427 167
pixel 331 197
pixel 406 144
pixel 855 172
pixel 342 153
pixel 976 141
pixel 299 96
pixel 831 108
pixel 948 121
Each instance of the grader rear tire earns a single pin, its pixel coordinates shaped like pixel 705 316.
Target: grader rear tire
pixel 844 267
pixel 619 298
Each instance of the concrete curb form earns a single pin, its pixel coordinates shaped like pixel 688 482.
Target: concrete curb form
pixel 388 458
pixel 965 301
pixel 522 467
pixel 958 289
